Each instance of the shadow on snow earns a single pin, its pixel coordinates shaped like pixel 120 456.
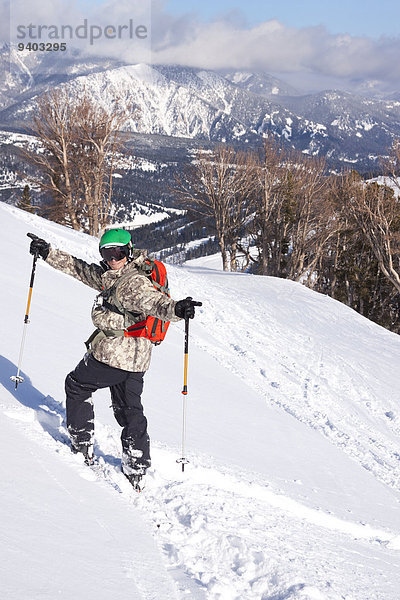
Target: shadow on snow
pixel 49 412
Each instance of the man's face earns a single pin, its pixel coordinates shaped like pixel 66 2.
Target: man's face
pixel 116 264
pixel 115 256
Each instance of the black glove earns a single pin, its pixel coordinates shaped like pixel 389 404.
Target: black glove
pixel 184 309
pixel 38 246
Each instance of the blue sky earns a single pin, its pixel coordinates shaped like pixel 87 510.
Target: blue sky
pixel 372 18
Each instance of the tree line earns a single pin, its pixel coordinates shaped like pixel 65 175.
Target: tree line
pixel 284 214
pixel 277 212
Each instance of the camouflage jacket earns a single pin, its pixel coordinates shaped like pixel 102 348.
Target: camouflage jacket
pixel 134 292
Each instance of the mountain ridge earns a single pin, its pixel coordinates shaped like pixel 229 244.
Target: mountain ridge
pixel 232 106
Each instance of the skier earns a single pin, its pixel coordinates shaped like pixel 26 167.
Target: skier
pixel 126 296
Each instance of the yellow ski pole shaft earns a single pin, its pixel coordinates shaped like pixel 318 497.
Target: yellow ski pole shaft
pixel 183 460
pixel 17 378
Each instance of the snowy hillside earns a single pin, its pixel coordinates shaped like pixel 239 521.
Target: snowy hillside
pixel 293 431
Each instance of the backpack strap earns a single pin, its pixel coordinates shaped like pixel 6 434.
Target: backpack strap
pixel 115 305
pixel 150 327
pixel 146 267
pixel 100 334
pixel 150 265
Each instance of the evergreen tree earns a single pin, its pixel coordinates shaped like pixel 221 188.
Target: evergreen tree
pixel 25 201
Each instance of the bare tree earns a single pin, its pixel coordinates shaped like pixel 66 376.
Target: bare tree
pixel 269 175
pixel 376 210
pixel 370 214
pixel 337 256
pixel 219 185
pixel 79 141
pixel 313 222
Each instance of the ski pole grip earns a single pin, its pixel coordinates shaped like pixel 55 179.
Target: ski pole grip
pixel 34 237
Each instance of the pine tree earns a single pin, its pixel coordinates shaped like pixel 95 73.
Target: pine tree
pixel 25 201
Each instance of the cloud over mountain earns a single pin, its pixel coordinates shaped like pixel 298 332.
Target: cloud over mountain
pixel 309 57
pixel 271 46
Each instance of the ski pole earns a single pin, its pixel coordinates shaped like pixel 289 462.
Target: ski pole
pixel 18 378
pixel 183 460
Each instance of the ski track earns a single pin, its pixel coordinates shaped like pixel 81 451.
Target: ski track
pixel 222 536
pixel 288 384
pixel 292 387
pixel 228 534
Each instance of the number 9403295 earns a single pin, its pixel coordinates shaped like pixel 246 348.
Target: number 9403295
pixel 43 46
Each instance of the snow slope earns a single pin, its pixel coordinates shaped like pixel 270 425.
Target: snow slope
pixel 293 428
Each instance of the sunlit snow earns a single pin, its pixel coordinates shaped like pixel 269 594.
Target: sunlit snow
pixel 293 429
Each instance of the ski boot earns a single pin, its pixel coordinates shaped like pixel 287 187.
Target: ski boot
pixel 135 481
pixel 134 468
pixel 86 450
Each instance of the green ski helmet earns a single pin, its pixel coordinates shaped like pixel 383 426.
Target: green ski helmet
pixel 116 243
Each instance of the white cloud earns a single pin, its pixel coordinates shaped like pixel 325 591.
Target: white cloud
pixel 308 54
pixel 271 46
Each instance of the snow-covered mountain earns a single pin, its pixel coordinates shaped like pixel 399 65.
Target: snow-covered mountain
pixel 362 127
pixel 260 83
pixel 200 104
pixel 293 429
pixel 24 74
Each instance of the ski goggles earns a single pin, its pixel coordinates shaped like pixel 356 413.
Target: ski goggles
pixel 114 253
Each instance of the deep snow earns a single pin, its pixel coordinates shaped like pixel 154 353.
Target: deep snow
pixel 293 427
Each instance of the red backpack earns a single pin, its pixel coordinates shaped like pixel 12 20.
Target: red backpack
pixel 152 328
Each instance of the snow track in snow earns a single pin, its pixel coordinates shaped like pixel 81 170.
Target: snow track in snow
pixel 293 434
pixel 330 392
pixel 214 527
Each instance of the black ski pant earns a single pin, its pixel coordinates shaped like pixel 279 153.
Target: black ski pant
pixel 126 389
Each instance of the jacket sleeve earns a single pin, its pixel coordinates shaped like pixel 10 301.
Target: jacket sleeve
pixel 137 294
pixel 89 274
